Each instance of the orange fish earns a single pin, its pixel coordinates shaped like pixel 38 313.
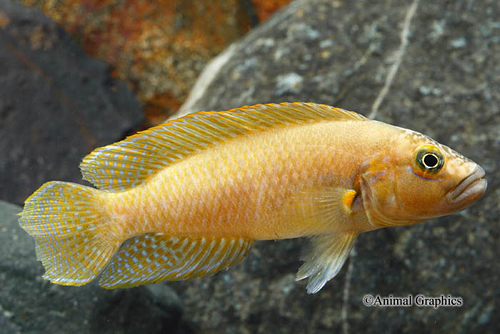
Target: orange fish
pixel 190 197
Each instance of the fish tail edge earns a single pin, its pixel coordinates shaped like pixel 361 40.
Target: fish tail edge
pixel 71 233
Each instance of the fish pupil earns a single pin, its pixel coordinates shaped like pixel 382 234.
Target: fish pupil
pixel 430 160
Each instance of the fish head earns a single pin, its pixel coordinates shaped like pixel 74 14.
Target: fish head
pixel 415 178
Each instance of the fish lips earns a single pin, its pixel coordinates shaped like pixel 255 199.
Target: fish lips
pixel 469 190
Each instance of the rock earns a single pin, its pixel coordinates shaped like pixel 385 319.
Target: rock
pixel 159 47
pixel 425 65
pixel 29 304
pixel 56 104
pixel 265 8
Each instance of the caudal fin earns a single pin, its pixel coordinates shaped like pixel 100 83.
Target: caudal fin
pixel 70 232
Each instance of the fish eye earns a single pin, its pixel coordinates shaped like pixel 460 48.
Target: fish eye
pixel 429 158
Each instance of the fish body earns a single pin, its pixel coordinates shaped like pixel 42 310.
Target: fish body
pixel 188 198
pixel 242 188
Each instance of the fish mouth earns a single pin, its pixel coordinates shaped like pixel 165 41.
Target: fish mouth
pixel 472 187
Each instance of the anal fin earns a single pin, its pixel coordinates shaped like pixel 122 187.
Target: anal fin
pixel 155 257
pixel 328 254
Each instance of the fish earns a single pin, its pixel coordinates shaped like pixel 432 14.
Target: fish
pixel 190 197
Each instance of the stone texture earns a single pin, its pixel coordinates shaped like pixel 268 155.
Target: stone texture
pixel 56 104
pixel 28 304
pixel 159 47
pixel 265 8
pixel 425 65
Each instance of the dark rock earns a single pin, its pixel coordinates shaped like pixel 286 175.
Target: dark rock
pixel 56 104
pixel 425 65
pixel 28 304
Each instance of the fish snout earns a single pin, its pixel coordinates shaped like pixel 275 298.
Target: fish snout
pixel 469 190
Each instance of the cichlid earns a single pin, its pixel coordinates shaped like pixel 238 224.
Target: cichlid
pixel 190 197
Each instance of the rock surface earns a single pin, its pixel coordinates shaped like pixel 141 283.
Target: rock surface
pixel 29 304
pixel 159 47
pixel 429 66
pixel 56 104
pixel 265 8
pixel 425 65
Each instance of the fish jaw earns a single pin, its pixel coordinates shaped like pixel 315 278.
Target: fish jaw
pixel 467 192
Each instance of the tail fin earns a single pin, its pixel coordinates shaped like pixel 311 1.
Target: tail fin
pixel 69 231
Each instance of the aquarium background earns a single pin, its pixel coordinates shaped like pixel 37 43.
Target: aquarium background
pixel 78 74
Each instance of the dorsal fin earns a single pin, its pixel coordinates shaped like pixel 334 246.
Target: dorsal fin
pixel 128 163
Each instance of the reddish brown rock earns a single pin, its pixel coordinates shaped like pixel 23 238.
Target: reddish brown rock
pixel 159 47
pixel 264 8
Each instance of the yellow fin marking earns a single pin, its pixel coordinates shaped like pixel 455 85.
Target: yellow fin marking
pixel 349 197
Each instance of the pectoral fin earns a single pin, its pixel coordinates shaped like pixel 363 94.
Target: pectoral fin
pixel 328 254
pixel 323 210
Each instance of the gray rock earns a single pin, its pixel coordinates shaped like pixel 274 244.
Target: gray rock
pixel 56 103
pixel 425 65
pixel 28 304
